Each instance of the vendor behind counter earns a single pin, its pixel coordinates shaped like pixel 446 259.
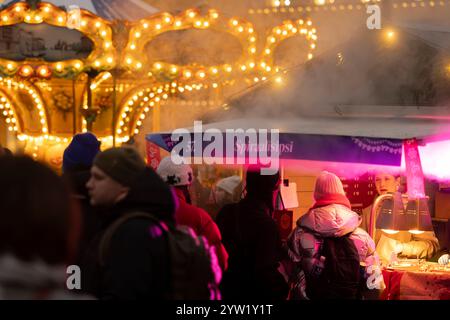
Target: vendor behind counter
pixel 403 243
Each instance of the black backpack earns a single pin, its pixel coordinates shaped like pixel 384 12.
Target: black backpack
pixel 341 277
pixel 193 276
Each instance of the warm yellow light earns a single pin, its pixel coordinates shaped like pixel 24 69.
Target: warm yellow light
pixel 252 39
pixel 110 60
pixel 158 26
pixel 241 29
pixel 83 23
pixel 137 34
pixel 177 23
pixel 139 65
pixel 133 46
pixel 279 80
pixel 234 22
pixel 78 65
pixel 416 231
pixel 18 9
pixel 214 70
pixel 215 85
pixel 198 23
pixel 97 64
pixel 5 18
pixel 272 39
pixel 103 33
pixel 251 65
pixel 167 19
pixel 243 68
pixel 313 45
pixel 157 66
pixel 267 51
pixel 10 66
pixel 60 19
pixel 252 50
pixel 310 56
pixel 201 74
pixel 268 69
pixel 38 18
pixel 98 24
pixel 145 25
pixel 27 18
pixel 59 66
pixel 319 2
pixel 389 231
pixel 129 61
pixel 187 74
pixel 390 35
pixel 47 9
pixel 206 24
pixel 191 14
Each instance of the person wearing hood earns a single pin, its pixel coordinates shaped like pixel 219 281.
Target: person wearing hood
pixel 330 217
pixel 252 240
pixel 403 243
pixel 132 262
pixel 39 232
pixel 180 176
pixel 76 167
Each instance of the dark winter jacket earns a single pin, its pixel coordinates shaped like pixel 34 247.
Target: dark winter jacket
pixel 136 264
pixel 252 240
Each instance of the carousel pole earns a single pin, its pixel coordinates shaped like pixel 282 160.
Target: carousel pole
pixel 114 76
pixel 74 106
pixel 89 101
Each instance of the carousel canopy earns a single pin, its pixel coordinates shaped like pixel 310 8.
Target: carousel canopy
pixel 109 9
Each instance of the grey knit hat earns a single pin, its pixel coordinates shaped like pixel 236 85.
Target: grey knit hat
pixel 122 164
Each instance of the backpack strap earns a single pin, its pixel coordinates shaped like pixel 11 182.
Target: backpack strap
pixel 105 240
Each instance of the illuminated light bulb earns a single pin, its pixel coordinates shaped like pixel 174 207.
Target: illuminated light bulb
pixel 83 23
pixel 241 29
pixel 191 14
pixel 47 9
pixel 251 65
pixel 44 130
pixel 181 89
pixel 250 30
pixel 103 33
pixel 177 23
pixel 243 68
pixel 129 61
pixel 294 30
pixel 145 25
pixel 139 65
pixel 278 31
pixel 97 63
pixel 157 27
pixel 107 45
pixel 38 18
pixel 284 33
pixel 268 69
pixel 277 3
pixel 139 122
pixel 119 131
pixel 313 46
pixel 18 9
pixel 157 66
pixel 28 18
pixel 267 51
pixel 314 37
pixel 390 34
pixel 310 56
pixel 279 80
pixel 10 66
pixel 198 23
pixel 142 116
pixel 5 18
pixel 309 23
pixel 300 22
pixel 165 96
pixel 173 69
pixel 215 85
pixel 206 24
pixel 132 46
pixel 42 121
pixel 78 65
pixel 136 131
pixel 228 69
pixel 287 2
pixel 121 123
pixel 110 60
pixel 234 22
pixel 98 24
pixel 167 19
pixel 187 74
pixel 146 109
pixel 59 67
pixel 272 39
pixel 252 39
pixel 214 70
pixel 252 50
pixel 60 19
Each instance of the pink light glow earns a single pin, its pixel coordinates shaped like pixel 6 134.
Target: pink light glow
pixel 435 157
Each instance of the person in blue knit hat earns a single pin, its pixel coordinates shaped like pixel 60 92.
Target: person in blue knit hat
pixel 80 153
pixel 77 162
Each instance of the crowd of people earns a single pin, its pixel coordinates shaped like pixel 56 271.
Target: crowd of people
pixel 135 233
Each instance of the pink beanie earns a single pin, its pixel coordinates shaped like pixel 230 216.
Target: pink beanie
pixel 327 186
